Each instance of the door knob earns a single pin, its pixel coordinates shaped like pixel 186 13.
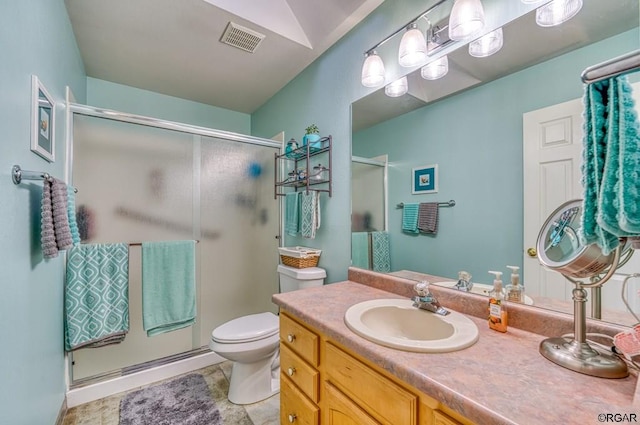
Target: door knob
pixel 532 252
pixel 291 338
pixel 291 371
pixel 292 418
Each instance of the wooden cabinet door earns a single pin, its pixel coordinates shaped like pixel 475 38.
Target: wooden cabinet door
pixel 338 409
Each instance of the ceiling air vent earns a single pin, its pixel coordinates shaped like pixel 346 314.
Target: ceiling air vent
pixel 241 37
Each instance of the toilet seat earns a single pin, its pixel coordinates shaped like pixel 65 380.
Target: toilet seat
pixel 248 328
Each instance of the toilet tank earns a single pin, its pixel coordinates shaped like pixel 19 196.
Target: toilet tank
pixel 292 278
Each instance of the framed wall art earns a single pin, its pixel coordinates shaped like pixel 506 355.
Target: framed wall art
pixel 424 179
pixel 42 121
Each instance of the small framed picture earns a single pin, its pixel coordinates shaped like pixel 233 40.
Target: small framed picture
pixel 424 179
pixel 42 121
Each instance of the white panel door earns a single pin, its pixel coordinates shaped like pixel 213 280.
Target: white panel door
pixel 552 157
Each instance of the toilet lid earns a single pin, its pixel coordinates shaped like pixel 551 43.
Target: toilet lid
pixel 247 328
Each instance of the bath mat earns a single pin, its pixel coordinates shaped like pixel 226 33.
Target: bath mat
pixel 183 401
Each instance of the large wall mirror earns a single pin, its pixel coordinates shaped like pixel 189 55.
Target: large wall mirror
pixel 477 124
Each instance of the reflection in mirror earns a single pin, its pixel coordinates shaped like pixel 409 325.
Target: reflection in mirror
pixel 369 237
pixel 470 123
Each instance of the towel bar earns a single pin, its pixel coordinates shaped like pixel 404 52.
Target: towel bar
pixel 451 203
pixel 18 174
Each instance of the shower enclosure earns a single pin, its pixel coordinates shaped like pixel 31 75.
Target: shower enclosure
pixel 141 180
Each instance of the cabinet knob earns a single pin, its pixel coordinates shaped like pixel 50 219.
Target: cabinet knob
pixel 532 252
pixel 291 338
pixel 292 418
pixel 291 371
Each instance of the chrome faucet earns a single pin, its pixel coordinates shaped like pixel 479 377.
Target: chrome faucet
pixel 464 282
pixel 425 300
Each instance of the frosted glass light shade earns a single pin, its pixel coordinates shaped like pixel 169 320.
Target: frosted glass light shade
pixel 413 47
pixel 397 88
pixel 557 12
pixel 530 1
pixel 436 69
pixel 466 19
pixel 486 45
pixel 373 71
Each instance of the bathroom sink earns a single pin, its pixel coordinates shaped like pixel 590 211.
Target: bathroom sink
pixel 397 324
pixel 479 288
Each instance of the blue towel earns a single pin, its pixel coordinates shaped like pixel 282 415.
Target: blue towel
pixel 360 250
pixel 381 254
pixel 71 213
pixel 410 218
pixel 96 295
pixel 168 286
pixel 291 213
pixel 610 163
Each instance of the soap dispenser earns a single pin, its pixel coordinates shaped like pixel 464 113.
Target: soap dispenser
pixel 515 291
pixel 497 307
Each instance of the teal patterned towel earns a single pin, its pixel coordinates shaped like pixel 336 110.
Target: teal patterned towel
pixel 360 250
pixel 96 295
pixel 410 218
pixel 611 157
pixel 291 213
pixel 168 286
pixel 381 254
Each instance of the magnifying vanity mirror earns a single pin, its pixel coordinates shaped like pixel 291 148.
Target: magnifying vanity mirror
pixel 560 249
pixel 476 125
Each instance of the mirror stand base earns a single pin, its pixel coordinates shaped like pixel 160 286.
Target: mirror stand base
pixel 582 358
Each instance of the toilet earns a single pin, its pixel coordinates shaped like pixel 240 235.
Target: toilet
pixel 252 342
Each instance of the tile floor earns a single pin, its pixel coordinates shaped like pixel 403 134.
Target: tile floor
pixel 106 411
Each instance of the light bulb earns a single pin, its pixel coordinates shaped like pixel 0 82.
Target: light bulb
pixel 557 12
pixel 397 88
pixel 436 69
pixel 413 47
pixel 466 19
pixel 373 70
pixel 486 45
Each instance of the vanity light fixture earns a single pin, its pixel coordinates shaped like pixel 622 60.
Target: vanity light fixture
pixel 435 69
pixel 413 47
pixel 557 12
pixel 486 45
pixel 397 88
pixel 372 70
pixel 466 19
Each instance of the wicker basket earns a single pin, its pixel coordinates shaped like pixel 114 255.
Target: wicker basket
pixel 299 256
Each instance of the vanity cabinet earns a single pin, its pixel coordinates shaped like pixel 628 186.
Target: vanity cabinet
pixel 323 383
pixel 307 167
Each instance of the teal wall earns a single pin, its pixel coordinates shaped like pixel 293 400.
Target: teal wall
pixel 476 139
pixel 105 94
pixel 35 38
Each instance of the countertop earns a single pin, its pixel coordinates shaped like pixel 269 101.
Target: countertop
pixel 502 379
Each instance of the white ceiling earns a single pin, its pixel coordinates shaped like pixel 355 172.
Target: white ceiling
pixel 172 47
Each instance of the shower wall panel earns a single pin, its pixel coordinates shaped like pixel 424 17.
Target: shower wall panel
pixel 137 183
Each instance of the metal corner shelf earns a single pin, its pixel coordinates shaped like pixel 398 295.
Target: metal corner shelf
pixel 303 155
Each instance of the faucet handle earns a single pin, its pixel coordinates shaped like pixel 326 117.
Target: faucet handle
pixel 422 288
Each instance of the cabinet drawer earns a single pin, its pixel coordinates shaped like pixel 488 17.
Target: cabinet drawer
pixel 303 375
pixel 386 401
pixel 340 410
pixel 300 339
pixel 295 408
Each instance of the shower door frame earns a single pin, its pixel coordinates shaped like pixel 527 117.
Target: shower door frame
pixel 75 108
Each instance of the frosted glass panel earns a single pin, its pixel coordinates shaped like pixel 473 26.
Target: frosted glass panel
pixel 134 184
pixel 138 183
pixel 367 197
pixel 237 203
